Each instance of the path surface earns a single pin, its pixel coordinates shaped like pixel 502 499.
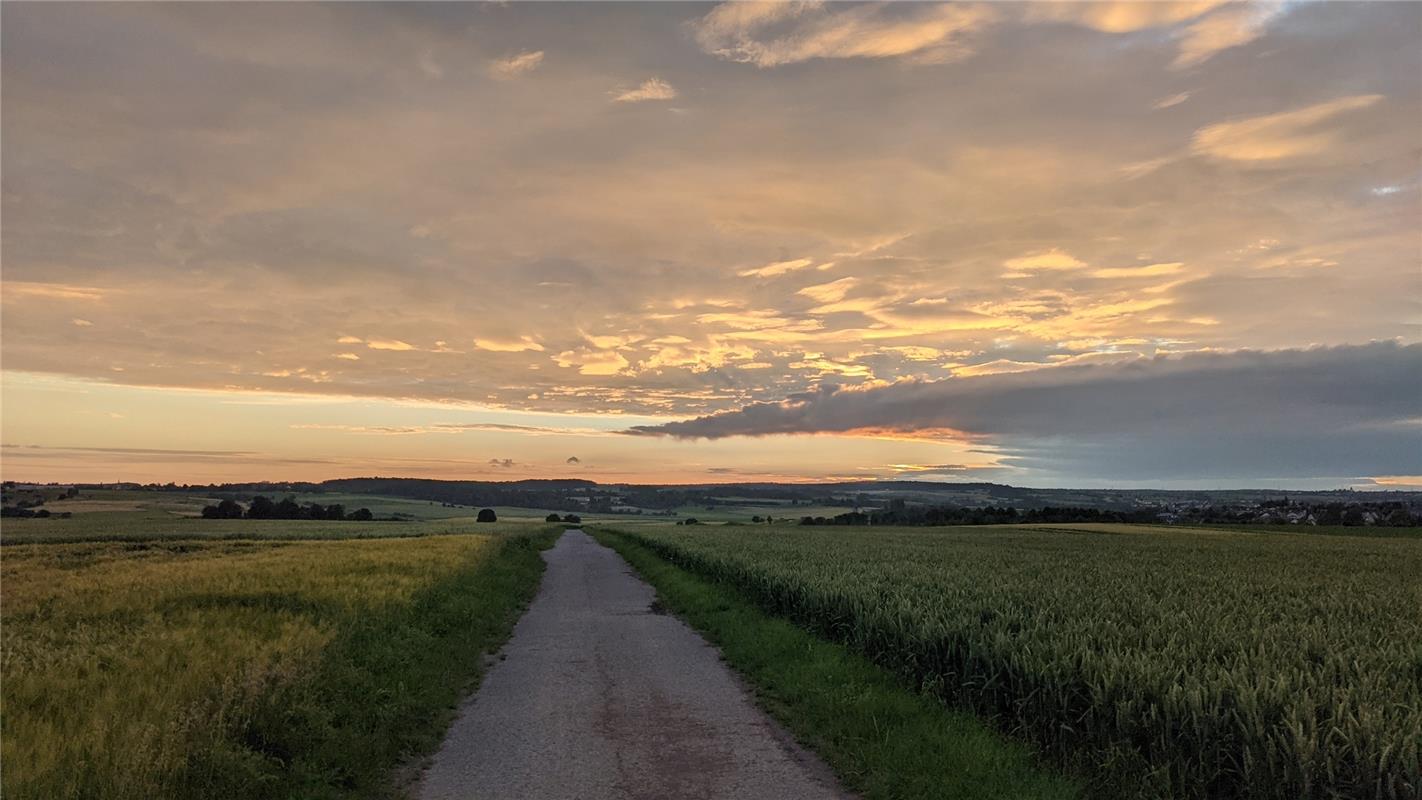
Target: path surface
pixel 598 696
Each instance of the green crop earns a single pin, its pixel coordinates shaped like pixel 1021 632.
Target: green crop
pixel 1175 664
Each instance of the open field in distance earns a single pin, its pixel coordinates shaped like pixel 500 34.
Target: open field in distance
pixel 118 515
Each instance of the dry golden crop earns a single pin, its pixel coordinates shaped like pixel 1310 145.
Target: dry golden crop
pixel 137 670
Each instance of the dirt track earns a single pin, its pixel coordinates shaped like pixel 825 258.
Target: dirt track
pixel 598 696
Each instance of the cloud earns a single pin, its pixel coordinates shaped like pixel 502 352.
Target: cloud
pixel 1147 271
pixel 133 450
pixel 1215 25
pixel 389 344
pixel 223 240
pixel 573 460
pixel 776 268
pixel 1171 101
pixel 73 457
pixel 532 430
pixel 1120 16
pixel 1346 410
pixel 831 292
pixel 508 345
pixel 501 463
pixel 756 33
pixel 1049 260
pixel 651 89
pixel 377 430
pixel 429 66
pixel 1276 137
pixel 54 291
pixel 514 66
pixel 593 362
pixel 1233 26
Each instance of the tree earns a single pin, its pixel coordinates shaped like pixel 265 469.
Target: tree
pixel 487 515
pixel 335 511
pixel 552 518
pixel 1401 518
pixel 261 508
pixel 362 515
pixel 572 519
pixel 288 508
pixel 228 509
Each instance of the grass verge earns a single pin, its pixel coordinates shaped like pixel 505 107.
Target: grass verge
pixel 883 740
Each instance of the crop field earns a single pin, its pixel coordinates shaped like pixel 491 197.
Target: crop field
pixel 132 516
pixel 145 526
pixel 1158 663
pixel 744 512
pixel 243 668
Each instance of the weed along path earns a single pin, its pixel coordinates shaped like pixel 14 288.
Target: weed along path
pixel 599 696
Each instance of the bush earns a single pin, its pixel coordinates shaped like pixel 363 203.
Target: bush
pixel 487 515
pixel 227 509
pixel 552 518
pixel 572 519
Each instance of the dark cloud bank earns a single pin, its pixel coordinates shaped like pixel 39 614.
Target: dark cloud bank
pixel 1319 412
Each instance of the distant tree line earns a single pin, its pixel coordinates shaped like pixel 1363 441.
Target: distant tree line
pixel 986 515
pixel 26 503
pixel 25 512
pixel 262 507
pixel 1385 514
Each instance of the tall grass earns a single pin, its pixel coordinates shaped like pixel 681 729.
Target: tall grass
pixel 1165 664
pixel 242 669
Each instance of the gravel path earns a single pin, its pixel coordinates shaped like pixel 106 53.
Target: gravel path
pixel 599 696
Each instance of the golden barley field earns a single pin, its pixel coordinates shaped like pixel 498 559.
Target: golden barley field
pixel 238 668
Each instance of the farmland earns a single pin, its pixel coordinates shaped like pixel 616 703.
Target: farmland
pixel 1159 663
pixel 253 668
pixel 139 516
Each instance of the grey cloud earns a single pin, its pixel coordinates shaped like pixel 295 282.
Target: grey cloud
pixel 1345 410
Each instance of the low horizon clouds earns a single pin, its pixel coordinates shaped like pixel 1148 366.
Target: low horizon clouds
pixel 1319 412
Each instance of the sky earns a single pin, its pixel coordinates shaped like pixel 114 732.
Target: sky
pixel 1048 244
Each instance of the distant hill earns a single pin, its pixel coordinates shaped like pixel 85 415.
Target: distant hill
pixel 585 495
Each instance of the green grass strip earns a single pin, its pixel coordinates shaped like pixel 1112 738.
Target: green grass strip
pixel 384 693
pixel 881 739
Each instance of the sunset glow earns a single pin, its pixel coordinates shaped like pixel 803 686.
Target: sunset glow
pixel 696 243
